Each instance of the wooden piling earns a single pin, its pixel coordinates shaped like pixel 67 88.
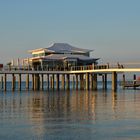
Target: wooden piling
pixel 33 84
pixel 123 81
pixel 114 81
pixel 51 82
pixel 104 81
pixel 36 82
pixel 13 82
pixel 48 82
pixel 91 81
pixel 81 81
pixel 57 81
pixel 134 80
pixel 87 81
pixel 105 78
pixel 19 82
pixel 63 81
pixel 27 82
pixel 53 86
pixel 76 81
pixel 95 81
pixel 2 82
pixel 5 82
pixel 68 82
pixel 73 83
pixel 42 81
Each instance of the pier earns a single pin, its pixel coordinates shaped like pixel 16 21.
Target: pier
pixel 79 78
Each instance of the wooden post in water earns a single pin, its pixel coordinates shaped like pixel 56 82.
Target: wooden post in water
pixel 36 82
pixel 5 82
pixel 68 82
pixel 103 81
pixel 91 81
pixel 134 80
pixel 33 84
pixel 42 81
pixel 73 83
pixel 53 81
pixel 57 81
pixel 19 82
pixel 1 82
pixel 76 81
pixel 13 82
pixel 105 78
pixel 48 82
pixel 81 81
pixel 123 81
pixel 87 81
pixel 27 82
pixel 114 81
pixel 63 81
pixel 95 81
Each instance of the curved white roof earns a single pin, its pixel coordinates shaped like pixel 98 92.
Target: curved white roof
pixel 66 48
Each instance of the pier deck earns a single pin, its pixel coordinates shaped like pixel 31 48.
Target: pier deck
pixel 79 74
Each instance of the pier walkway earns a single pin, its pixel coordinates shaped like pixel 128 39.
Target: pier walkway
pixel 83 77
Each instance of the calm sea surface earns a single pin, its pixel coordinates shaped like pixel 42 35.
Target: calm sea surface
pixel 70 115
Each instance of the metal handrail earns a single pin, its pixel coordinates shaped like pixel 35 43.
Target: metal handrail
pixel 71 68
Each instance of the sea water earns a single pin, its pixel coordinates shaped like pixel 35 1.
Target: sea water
pixel 70 115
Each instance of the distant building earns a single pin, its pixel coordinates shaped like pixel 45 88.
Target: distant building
pixel 60 56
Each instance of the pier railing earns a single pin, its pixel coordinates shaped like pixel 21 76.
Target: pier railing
pixel 70 68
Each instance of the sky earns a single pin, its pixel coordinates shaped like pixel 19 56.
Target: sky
pixel 109 27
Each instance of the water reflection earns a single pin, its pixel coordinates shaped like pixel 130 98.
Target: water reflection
pixel 114 100
pixel 49 114
pixel 71 105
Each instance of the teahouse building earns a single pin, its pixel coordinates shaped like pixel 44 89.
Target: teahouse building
pixel 60 56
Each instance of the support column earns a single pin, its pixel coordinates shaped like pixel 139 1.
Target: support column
pixel 91 81
pixel 5 82
pixel 19 82
pixel 87 81
pixel 134 81
pixel 76 81
pixel 81 81
pixel 36 82
pixel 105 81
pixel 53 81
pixel 1 82
pixel 13 82
pixel 63 81
pixel 95 81
pixel 68 82
pixel 73 82
pixel 27 82
pixel 48 82
pixel 33 84
pixel 114 81
pixel 42 81
pixel 123 81
pixel 57 81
